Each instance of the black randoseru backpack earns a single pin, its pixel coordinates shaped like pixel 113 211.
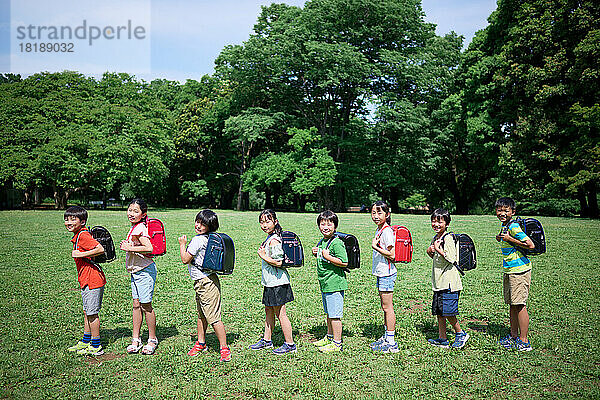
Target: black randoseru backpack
pixel 534 230
pixel 220 254
pixel 293 253
pixel 352 249
pixel 465 254
pixel 102 236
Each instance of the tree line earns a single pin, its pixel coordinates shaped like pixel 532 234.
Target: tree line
pixel 332 105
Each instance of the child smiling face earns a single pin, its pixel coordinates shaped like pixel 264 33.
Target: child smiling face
pixel 327 227
pixel 134 213
pixel 504 213
pixel 439 225
pixel 378 215
pixel 267 225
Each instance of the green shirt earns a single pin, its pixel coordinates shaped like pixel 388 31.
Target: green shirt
pixel 331 277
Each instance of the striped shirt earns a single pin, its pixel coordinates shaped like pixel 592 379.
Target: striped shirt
pixel 513 261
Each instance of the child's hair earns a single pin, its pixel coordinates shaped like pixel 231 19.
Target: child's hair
pixel 440 213
pixel 385 208
pixel 506 202
pixel 209 219
pixel 270 214
pixel 328 215
pixel 77 212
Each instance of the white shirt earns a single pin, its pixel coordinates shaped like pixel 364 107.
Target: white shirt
pixel 381 265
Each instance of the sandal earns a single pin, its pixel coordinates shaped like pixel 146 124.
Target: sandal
pixel 135 346
pixel 150 347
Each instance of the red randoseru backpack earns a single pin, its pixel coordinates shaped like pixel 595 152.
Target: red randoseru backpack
pixel 403 247
pixel 158 237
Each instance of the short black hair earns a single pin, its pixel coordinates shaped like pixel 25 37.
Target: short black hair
pixel 77 212
pixel 506 202
pixel 209 219
pixel 440 213
pixel 328 215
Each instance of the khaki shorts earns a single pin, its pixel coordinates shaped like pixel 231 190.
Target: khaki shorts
pixel 208 298
pixel 516 288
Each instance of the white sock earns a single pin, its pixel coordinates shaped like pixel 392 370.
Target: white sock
pixel 389 337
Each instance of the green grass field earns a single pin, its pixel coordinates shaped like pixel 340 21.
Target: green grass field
pixel 40 316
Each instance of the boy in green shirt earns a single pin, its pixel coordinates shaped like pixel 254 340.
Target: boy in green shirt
pixel 331 258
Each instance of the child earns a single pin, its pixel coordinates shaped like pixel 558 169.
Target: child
pixel 331 258
pixel 206 284
pixel 143 276
pixel 276 281
pixel 445 281
pixel 386 273
pixel 91 280
pixel 517 274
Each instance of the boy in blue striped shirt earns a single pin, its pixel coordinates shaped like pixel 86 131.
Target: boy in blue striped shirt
pixel 517 274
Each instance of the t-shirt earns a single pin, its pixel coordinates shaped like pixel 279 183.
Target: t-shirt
pixel 331 277
pixel 513 261
pixel 88 274
pixel 197 248
pixel 272 276
pixel 444 275
pixel 381 265
pixel 135 262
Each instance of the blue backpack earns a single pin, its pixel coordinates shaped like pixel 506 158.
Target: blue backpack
pixel 220 254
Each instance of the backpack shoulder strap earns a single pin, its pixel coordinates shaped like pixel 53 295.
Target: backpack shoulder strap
pixel 77 239
pixel 329 241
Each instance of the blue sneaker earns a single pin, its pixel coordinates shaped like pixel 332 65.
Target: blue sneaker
pixel 522 346
pixel 378 342
pixel 442 343
pixel 508 342
pixel 460 340
pixel 285 348
pixel 261 344
pixel 386 347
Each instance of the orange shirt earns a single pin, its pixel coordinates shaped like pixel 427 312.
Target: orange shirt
pixel 87 273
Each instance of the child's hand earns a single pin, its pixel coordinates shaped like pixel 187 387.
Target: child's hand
pixel 182 240
pixel 326 254
pixel 437 244
pixel 125 245
pixel 431 250
pixel 375 242
pixel 500 237
pixel 315 251
pixel 261 252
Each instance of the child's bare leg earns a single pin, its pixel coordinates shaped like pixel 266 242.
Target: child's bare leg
pixel 86 324
pixel 523 320
pixel 329 327
pixel 454 322
pixel 93 325
pixel 286 325
pixel 514 320
pixel 220 332
pixel 150 319
pixel 137 318
pixel 269 323
pixel 336 327
pixel 202 326
pixel 442 327
pixel 387 305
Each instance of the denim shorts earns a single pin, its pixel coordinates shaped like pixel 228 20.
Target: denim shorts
pixel 333 304
pixel 386 283
pixel 142 284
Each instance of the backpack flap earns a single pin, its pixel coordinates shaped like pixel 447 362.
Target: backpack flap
pixel 103 236
pixel 534 230
pixel 219 256
pixel 352 249
pixel 158 238
pixel 403 246
pixel 293 253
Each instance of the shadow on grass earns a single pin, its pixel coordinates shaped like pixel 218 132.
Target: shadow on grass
pixel 321 330
pixel 213 342
pixel 371 330
pixel 428 328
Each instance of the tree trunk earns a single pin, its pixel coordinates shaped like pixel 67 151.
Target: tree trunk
pixel 592 199
pixel 583 205
pixel 239 196
pixel 394 197
pixel 268 199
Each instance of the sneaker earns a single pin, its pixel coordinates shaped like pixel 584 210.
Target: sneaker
pixel 522 346
pixel 261 344
pixel 460 340
pixel 91 351
pixel 386 347
pixel 225 354
pixel 197 348
pixel 378 342
pixel 442 343
pixel 80 345
pixel 330 348
pixel 508 342
pixel 285 348
pixel 323 342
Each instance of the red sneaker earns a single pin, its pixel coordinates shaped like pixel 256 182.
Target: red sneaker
pixel 225 354
pixel 198 347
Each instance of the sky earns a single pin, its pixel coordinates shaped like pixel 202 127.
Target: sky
pixel 170 39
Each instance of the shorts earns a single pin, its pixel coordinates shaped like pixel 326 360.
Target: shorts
pixel 516 288
pixel 92 300
pixel 333 304
pixel 208 298
pixel 386 283
pixel 445 303
pixel 277 295
pixel 142 284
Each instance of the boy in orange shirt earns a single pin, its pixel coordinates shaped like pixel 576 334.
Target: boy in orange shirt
pixel 91 280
